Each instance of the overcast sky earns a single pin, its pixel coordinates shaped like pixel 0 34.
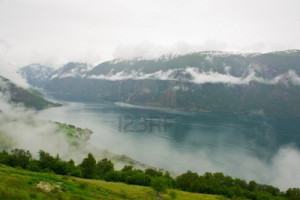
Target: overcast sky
pixel 55 32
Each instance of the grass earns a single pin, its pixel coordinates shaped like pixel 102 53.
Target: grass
pixel 21 184
pixel 73 131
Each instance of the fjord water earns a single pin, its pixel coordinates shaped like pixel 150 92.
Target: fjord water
pixel 245 146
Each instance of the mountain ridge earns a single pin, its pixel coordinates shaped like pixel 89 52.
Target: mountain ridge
pixel 211 81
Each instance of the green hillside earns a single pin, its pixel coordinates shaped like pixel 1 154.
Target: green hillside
pixel 22 184
pixel 65 180
pixel 28 97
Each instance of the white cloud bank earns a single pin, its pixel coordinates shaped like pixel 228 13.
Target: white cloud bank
pixel 197 77
pixel 19 128
pixel 149 50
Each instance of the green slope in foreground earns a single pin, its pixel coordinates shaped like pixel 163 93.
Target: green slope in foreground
pixel 22 184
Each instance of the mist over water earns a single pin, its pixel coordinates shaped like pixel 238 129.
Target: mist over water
pixel 249 147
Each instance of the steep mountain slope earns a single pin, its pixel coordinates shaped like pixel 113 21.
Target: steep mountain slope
pixel 205 81
pixel 187 67
pixel 37 75
pixel 30 98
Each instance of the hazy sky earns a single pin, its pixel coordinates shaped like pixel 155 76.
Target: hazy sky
pixel 56 32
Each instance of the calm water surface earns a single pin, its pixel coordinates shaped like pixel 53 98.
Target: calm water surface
pixel 235 144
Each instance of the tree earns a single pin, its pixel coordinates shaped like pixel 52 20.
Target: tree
pixel 88 166
pixel 138 178
pixel 293 193
pixel 159 184
pixel 20 157
pixel 252 186
pixel 127 168
pixel 72 169
pixel 113 176
pixel 71 162
pixel 153 173
pixel 185 180
pixel 46 160
pixel 170 180
pixel 34 165
pixel 4 157
pixel 104 166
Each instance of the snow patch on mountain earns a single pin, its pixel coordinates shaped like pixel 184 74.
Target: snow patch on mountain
pixel 71 70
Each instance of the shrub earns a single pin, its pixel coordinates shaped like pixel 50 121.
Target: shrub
pixel 159 184
pixel 173 195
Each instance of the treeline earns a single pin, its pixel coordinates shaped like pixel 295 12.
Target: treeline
pixel 218 183
pixel 209 183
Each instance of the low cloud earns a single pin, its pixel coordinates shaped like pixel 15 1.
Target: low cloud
pixel 10 71
pixel 20 129
pixel 280 170
pixel 159 75
pixel 200 77
pixel 151 50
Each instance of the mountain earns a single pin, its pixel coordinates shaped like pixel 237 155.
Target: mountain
pixel 30 98
pixel 207 81
pixel 39 75
pixel 36 74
